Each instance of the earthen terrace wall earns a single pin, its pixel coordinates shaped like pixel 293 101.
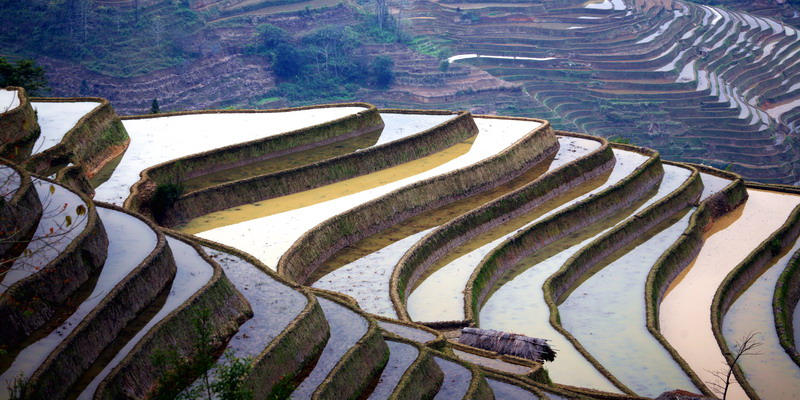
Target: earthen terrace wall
pixel 32 301
pixel 295 348
pixel 320 243
pixel 438 243
pixel 683 251
pixel 740 278
pixel 245 153
pixel 19 216
pixel 18 128
pixel 564 280
pixel 135 376
pixel 95 139
pixel 78 351
pixel 322 173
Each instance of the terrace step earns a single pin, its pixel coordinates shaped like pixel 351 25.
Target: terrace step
pixel 199 284
pixel 354 343
pixel 288 329
pixel 401 356
pixel 68 246
pixel 138 267
pixel 695 26
pixel 58 118
pixel 195 134
pixel 711 267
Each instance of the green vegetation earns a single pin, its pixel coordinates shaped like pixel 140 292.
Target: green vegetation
pixel 24 73
pixel 224 382
pixel 113 41
pixel 326 64
pixel 619 139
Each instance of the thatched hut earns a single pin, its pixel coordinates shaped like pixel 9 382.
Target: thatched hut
pixel 508 343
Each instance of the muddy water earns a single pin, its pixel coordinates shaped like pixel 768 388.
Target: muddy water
pixel 492 363
pixel 417 335
pixel 504 390
pixel 456 380
pixel 439 294
pixel 612 296
pixel 325 193
pixel 684 312
pixel 282 163
pixel 772 373
pixel 712 184
pixel 401 355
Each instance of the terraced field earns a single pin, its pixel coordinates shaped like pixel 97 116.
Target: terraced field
pixel 339 250
pixel 698 83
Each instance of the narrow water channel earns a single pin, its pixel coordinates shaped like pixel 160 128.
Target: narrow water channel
pixel 612 297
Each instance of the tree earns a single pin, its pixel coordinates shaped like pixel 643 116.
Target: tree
pixel 382 69
pixel 381 12
pixel 154 108
pixel 444 66
pixel 745 346
pixel 208 379
pixel 24 73
pixel 288 61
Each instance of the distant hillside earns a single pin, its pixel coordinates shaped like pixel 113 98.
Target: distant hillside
pixel 698 83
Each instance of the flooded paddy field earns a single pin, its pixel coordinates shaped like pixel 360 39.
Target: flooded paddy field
pixel 439 295
pixel 249 228
pixel 397 126
pixel 160 139
pixel 363 270
pixel 772 373
pixel 684 313
pixel 56 119
pixel 611 296
pixel 517 303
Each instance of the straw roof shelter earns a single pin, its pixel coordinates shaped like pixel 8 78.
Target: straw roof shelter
pixel 508 343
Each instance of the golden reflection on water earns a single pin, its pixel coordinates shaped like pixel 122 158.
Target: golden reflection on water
pixel 284 162
pixel 336 190
pixel 425 221
pixel 684 312
pixel 717 226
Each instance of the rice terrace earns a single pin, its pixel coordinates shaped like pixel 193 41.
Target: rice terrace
pixel 549 199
